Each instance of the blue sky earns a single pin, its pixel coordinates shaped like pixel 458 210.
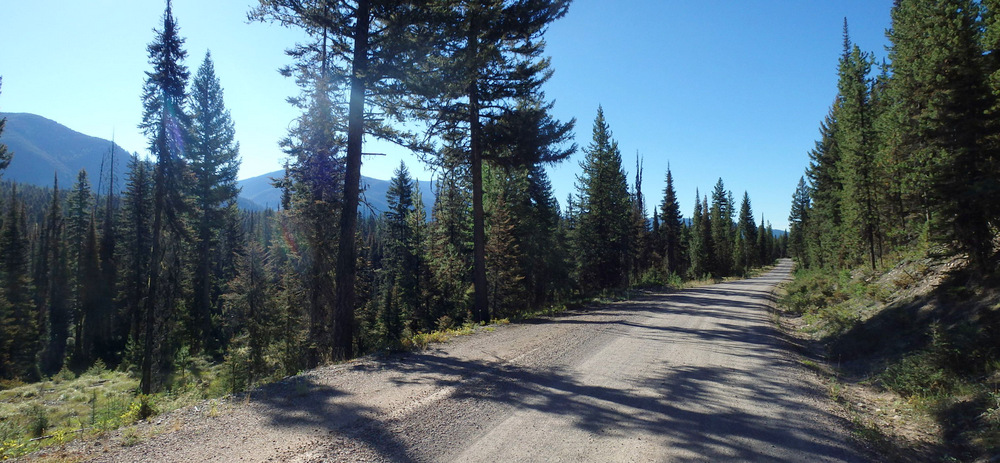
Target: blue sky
pixel 716 88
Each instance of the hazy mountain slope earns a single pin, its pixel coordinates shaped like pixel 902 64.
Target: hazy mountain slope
pixel 260 190
pixel 43 147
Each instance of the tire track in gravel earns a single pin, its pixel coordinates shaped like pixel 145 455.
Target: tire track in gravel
pixel 696 375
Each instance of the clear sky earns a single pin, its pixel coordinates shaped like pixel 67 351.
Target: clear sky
pixel 716 88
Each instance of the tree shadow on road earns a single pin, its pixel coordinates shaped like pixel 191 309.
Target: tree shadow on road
pixel 703 413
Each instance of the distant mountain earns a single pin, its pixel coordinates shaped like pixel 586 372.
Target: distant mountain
pixel 260 191
pixel 43 147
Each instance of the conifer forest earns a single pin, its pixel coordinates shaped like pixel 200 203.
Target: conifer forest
pixel 907 155
pixel 169 271
pixel 887 281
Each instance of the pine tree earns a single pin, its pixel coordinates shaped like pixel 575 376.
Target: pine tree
pixel 89 317
pixel 108 339
pixel 79 214
pixel 449 245
pixel 213 156
pixel 856 138
pixel 670 228
pixel 605 228
pixel 316 178
pixel 990 183
pixel 5 154
pixel 798 220
pixel 939 116
pixel 765 245
pixel 56 289
pixel 721 217
pixel 251 307
pixel 19 343
pixel 371 43
pixel 134 254
pixel 702 249
pixel 823 239
pixel 79 209
pixel 488 67
pixel 418 245
pixel 507 294
pixel 745 252
pixel 545 262
pixel 163 124
pixel 401 260
pixel 639 255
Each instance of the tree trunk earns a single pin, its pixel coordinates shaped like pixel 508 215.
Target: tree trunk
pixel 152 284
pixel 346 269
pixel 481 310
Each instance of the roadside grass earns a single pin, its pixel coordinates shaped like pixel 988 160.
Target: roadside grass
pixel 50 412
pixel 66 406
pixel 923 330
pixel 446 332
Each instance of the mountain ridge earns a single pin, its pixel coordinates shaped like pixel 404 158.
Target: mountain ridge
pixel 43 148
pixel 259 190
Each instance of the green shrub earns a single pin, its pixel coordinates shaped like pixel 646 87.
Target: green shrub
pixel 919 375
pixel 38 420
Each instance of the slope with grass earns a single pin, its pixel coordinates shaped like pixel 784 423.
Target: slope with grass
pixel 911 351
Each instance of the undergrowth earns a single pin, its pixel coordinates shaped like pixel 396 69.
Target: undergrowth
pixel 68 406
pixel 937 348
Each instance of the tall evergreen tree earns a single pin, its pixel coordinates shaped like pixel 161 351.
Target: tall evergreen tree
pixel 670 227
pixel 640 252
pixel 56 289
pixel 450 243
pixel 856 140
pixel 545 260
pixel 941 102
pixel 79 209
pixel 702 249
pixel 605 228
pixel 401 259
pixel 823 240
pixel 418 245
pixel 316 179
pixel 19 343
pixel 488 67
pixel 163 124
pixel 765 245
pixel 134 255
pixel 5 154
pixel 213 156
pixel 251 304
pixel 721 216
pixel 507 295
pixel 798 220
pixel 79 219
pixel 746 255
pixel 90 317
pixel 372 44
pixel 108 341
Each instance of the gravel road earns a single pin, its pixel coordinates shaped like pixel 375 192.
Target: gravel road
pixel 696 375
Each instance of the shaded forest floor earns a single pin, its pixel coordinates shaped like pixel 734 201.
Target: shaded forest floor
pixel 911 351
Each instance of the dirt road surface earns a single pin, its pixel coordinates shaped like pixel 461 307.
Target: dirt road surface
pixel 696 375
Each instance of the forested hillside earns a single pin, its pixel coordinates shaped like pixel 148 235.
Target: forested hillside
pixel 895 224
pixel 46 148
pixel 168 277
